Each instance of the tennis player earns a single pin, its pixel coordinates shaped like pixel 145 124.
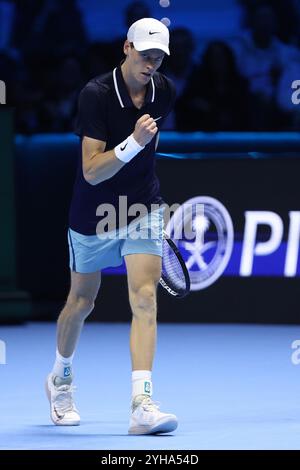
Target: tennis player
pixel 118 120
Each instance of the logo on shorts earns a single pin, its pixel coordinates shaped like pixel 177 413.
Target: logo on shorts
pixel 207 254
pixel 67 371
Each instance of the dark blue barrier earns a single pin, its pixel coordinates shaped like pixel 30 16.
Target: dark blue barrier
pixel 175 142
pixel 230 142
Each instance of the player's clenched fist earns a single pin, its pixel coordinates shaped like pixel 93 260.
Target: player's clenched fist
pixel 145 129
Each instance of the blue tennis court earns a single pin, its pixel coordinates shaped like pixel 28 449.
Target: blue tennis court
pixel 232 387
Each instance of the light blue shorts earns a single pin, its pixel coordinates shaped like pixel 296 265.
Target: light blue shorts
pixel 91 253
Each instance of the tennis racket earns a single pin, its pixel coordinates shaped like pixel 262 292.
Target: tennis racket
pixel 175 277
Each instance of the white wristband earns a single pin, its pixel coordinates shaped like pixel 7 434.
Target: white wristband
pixel 127 149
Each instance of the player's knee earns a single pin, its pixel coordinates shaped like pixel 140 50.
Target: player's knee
pixel 80 306
pixel 144 298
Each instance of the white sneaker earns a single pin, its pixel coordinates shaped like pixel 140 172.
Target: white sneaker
pixel 63 411
pixel 147 419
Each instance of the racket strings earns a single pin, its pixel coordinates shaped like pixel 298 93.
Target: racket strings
pixel 172 270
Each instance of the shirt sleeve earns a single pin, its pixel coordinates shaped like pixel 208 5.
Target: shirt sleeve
pixel 91 115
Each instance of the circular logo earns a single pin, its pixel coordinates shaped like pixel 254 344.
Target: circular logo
pixel 202 229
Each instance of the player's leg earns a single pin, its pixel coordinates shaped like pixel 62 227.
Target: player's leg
pixel 143 271
pixel 79 304
pixel 88 255
pixel 86 260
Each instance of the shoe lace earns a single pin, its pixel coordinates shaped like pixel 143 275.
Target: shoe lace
pixel 149 405
pixel 64 398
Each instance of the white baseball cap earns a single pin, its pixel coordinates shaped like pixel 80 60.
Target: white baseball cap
pixel 149 33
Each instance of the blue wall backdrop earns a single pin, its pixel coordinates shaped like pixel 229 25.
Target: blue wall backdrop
pixel 206 18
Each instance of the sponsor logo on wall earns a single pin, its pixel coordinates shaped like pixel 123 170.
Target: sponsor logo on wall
pixel 216 250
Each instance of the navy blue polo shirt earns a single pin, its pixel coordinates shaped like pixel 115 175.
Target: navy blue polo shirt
pixel 106 112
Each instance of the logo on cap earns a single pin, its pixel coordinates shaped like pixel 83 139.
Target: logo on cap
pixel 154 32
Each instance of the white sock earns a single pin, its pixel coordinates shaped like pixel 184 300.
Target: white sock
pixel 141 383
pixel 62 366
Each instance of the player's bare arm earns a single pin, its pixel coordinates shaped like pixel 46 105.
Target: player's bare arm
pixel 99 165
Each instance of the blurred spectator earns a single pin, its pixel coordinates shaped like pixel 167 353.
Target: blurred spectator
pixel 6 20
pixel 49 26
pixel 287 14
pixel 25 15
pixel 59 105
pixel 135 11
pixel 96 62
pixel 212 96
pixel 27 98
pixel 47 34
pixel 178 65
pixel 262 59
pixel 216 98
pixel 21 93
pixel 114 50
